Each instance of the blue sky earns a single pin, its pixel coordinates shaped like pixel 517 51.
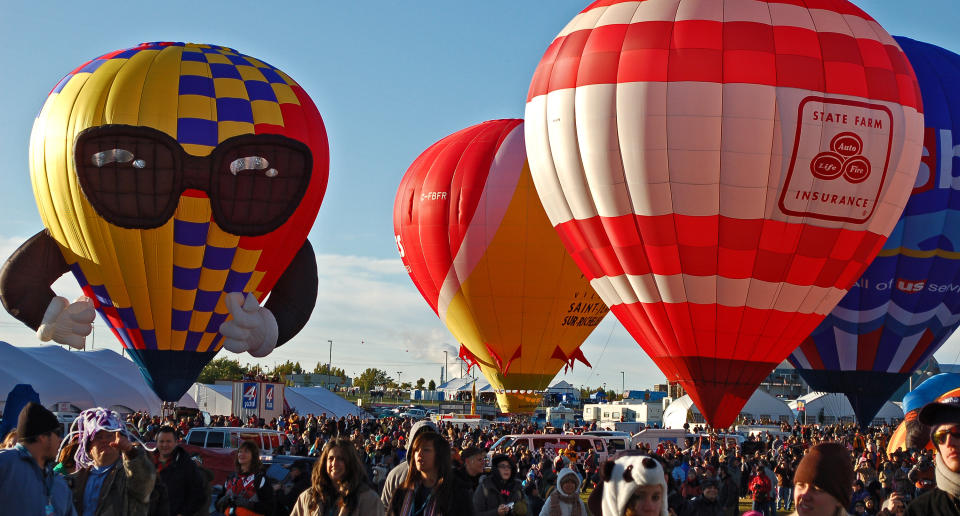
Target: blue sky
pixel 390 78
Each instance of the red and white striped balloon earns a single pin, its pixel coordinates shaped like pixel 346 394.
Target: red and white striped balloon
pixel 722 171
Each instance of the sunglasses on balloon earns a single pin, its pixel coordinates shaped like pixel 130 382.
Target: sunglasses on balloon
pixel 134 176
pixel 939 436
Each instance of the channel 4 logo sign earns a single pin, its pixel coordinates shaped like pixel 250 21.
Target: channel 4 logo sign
pixel 250 396
pixel 268 397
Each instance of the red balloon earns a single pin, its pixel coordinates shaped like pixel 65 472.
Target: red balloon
pixel 722 172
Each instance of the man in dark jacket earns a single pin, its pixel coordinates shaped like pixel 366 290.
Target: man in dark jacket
pixel 729 492
pixel 469 469
pixel 707 504
pixel 943 418
pixel 179 474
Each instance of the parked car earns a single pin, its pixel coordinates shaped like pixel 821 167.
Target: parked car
pixel 269 441
pixel 414 413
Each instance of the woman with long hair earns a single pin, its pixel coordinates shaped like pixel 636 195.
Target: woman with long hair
pixel 247 491
pixel 338 485
pixel 430 488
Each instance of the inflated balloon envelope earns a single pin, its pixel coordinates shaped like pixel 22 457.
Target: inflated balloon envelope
pixel 722 172
pixel 478 246
pixel 169 175
pixel 907 303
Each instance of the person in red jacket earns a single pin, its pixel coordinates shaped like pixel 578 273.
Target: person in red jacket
pixel 760 488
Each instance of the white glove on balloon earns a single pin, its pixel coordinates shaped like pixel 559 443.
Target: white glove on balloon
pixel 67 323
pixel 253 328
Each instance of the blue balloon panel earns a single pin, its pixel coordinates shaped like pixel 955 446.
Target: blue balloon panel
pixel 907 303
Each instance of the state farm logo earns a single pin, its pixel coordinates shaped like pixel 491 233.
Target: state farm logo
pixel 841 152
pixel 843 159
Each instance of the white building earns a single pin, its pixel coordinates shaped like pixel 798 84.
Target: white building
pixel 631 411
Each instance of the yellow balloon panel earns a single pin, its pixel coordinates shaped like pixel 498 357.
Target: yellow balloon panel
pixel 525 308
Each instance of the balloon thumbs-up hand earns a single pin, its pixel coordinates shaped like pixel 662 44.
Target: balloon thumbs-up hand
pixel 251 328
pixel 67 323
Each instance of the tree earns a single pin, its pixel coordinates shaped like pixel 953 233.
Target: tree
pixel 372 378
pixel 288 368
pixel 323 368
pixel 420 383
pixel 432 386
pixel 222 368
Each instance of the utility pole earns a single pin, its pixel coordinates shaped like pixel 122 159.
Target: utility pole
pixel 330 366
pixel 398 386
pixel 623 389
pixel 444 375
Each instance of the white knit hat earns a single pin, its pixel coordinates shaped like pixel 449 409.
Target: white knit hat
pixel 629 473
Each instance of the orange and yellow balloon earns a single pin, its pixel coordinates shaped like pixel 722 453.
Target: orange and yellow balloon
pixel 478 245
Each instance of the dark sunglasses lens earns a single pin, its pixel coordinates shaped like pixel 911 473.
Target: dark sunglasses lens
pixel 129 177
pixel 258 183
pixel 940 436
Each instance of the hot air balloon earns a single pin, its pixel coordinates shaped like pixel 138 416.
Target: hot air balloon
pixel 911 433
pixel 173 180
pixel 907 303
pixel 722 172
pixel 478 246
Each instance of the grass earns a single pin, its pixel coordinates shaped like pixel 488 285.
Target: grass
pixel 745 504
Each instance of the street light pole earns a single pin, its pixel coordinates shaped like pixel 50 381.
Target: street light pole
pixel 398 386
pixel 445 373
pixel 623 389
pixel 330 366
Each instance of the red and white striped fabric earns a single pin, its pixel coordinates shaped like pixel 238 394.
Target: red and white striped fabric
pixel 722 171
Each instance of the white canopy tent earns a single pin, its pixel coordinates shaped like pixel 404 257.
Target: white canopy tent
pixel 830 408
pixel 760 406
pixel 317 400
pixel 464 384
pixel 215 399
pixel 78 379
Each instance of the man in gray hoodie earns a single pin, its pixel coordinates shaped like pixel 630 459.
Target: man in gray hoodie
pixel 399 473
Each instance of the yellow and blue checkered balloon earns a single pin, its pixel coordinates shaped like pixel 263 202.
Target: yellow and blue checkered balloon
pixel 161 290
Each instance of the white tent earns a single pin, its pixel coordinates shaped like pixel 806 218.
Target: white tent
pixel 464 384
pixel 78 379
pixel 760 406
pixel 831 408
pixel 217 400
pixel 317 400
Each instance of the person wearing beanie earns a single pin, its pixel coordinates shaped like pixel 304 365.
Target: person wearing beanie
pixel 943 418
pixel 500 493
pixel 468 469
pixel 565 499
pixel 28 484
pixel 823 481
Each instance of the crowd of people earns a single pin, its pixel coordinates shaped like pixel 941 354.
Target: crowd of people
pixel 395 466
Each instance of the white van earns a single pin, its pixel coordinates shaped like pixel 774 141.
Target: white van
pixel 652 437
pixel 615 440
pixel 554 443
pixel 270 441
